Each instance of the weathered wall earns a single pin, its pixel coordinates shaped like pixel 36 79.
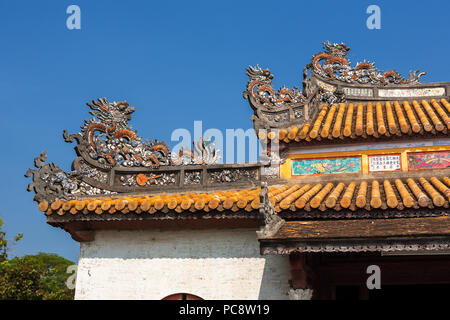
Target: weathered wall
pixel 212 264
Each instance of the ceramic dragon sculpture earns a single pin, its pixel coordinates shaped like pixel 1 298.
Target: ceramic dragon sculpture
pixel 204 153
pixel 259 89
pixel 111 142
pixel 333 64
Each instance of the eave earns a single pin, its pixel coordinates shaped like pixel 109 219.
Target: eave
pixel 430 233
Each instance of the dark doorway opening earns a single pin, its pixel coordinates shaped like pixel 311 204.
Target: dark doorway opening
pixel 393 292
pixel 182 296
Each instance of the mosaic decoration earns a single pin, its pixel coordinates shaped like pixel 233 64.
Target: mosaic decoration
pixel 429 160
pixel 192 177
pixel 325 86
pixel 298 112
pixel 405 93
pixel 231 175
pixel 144 180
pixel 332 64
pixel 91 172
pixel 278 116
pixel 323 166
pixel 272 171
pixel 384 163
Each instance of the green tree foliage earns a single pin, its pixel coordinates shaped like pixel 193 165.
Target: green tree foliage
pixel 35 277
pixel 32 277
pixel 4 243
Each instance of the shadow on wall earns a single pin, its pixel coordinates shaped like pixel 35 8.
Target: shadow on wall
pixel 275 279
pixel 177 244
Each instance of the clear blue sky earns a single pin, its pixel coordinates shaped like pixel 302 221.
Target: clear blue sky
pixel 176 62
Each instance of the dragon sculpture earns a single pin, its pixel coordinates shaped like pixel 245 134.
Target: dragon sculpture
pixel 112 142
pixel 50 182
pixel 260 88
pixel 332 64
pixel 204 153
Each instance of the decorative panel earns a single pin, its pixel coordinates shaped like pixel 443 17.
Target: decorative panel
pixel 389 162
pixel 326 165
pixel 404 93
pixel 358 92
pixel 429 160
pixel 326 86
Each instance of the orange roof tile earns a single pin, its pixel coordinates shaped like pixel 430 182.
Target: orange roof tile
pixel 377 119
pixel 397 194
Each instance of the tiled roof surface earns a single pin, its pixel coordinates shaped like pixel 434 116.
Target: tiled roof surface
pixel 357 195
pixel 372 119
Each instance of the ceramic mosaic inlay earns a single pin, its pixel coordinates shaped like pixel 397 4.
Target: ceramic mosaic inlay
pixel 322 166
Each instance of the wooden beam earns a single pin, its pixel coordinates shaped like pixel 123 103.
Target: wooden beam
pixel 362 229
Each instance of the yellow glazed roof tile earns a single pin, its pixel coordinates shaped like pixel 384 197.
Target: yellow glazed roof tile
pixel 397 194
pixel 371 119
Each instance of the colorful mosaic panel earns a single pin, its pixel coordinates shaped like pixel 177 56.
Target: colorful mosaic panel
pixel 322 166
pixel 429 160
pixel 326 86
pixel 384 163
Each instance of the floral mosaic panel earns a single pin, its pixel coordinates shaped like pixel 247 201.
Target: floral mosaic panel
pixel 429 160
pixel 322 166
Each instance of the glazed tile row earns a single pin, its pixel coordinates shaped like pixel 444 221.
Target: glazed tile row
pixel 372 119
pixel 394 194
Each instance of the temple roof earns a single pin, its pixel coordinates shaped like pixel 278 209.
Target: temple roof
pixel 369 120
pixel 339 103
pixel 120 181
pixel 417 196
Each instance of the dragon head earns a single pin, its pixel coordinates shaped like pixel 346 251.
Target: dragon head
pixel 120 112
pixel 336 49
pixel 256 73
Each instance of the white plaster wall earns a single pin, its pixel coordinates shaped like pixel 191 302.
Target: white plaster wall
pixel 152 264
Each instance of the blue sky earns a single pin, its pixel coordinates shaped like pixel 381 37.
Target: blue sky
pixel 176 62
